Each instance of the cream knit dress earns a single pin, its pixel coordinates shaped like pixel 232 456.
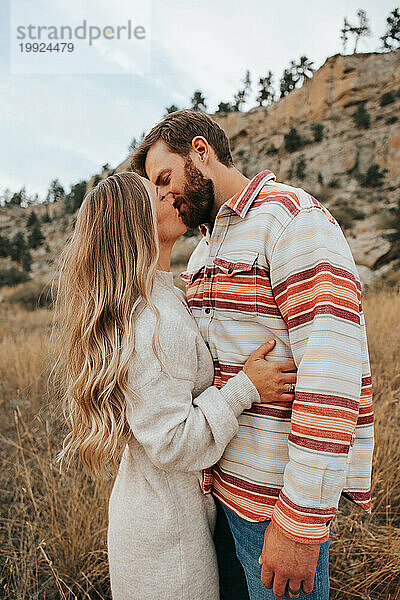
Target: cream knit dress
pixel 161 524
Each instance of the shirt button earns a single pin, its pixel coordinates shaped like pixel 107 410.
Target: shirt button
pixel 207 311
pixel 209 274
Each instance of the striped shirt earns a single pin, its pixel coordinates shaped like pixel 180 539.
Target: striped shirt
pixel 276 264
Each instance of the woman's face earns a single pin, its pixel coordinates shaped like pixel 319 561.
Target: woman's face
pixel 169 223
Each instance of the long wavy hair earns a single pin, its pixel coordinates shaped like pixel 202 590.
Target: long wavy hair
pixel 105 271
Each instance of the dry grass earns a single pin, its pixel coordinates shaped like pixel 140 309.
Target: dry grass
pixel 53 526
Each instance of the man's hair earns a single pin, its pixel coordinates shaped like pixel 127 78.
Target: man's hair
pixel 177 130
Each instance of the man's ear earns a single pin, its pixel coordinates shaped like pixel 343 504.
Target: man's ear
pixel 201 148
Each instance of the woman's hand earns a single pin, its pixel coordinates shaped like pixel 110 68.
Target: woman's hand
pixel 272 379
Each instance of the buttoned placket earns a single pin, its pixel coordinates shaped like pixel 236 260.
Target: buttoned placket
pixel 214 241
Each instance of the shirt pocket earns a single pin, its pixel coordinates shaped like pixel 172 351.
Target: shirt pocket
pixel 234 286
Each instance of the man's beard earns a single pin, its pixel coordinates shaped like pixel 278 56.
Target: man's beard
pixel 198 197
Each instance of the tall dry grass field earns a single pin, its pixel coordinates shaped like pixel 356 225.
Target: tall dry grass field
pixel 53 526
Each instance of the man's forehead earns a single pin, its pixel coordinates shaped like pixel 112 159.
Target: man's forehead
pixel 159 157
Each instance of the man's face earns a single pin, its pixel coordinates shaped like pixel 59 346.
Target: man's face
pixel 178 177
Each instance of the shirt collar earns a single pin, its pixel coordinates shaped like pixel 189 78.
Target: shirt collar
pixel 242 201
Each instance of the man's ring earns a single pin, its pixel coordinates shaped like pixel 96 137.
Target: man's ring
pixel 294 592
pixel 291 390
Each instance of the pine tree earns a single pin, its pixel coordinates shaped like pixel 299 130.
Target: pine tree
pixel 318 132
pixel 55 191
pixel 361 117
pixel 171 109
pixel 74 198
pixel 247 83
pixel 133 145
pixel 32 219
pixel 198 101
pixel 18 246
pixel 238 100
pixel 26 261
pixel 293 140
pixel 265 91
pixel 358 31
pixel 225 107
pixel 302 70
pixel 391 38
pixel 5 246
pixel 18 198
pixel 288 83
pixel 36 237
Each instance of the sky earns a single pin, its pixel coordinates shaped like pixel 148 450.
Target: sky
pixel 67 126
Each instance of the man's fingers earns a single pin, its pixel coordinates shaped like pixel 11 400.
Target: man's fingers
pixel 289 377
pixel 262 350
pixel 287 397
pixel 279 585
pixel 285 365
pixel 267 577
pixel 294 585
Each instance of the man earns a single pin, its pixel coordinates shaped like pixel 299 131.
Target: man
pixel 273 261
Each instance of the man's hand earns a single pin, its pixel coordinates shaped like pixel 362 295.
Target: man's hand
pixel 274 380
pixel 285 561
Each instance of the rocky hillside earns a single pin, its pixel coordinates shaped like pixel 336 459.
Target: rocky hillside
pixel 338 136
pixel 335 168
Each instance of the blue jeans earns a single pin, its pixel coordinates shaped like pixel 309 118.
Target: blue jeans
pixel 249 538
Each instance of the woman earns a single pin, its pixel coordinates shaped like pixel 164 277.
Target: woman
pixel 140 384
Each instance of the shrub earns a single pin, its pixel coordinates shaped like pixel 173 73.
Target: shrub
pixel 334 183
pixel 373 177
pixel 318 132
pixel 394 236
pixel 391 120
pixel 387 98
pixel 301 168
pixel 345 214
pixel 361 117
pixel 5 246
pixel 320 179
pixel 272 150
pixel 46 218
pixel 293 140
pixel 12 276
pixel 34 294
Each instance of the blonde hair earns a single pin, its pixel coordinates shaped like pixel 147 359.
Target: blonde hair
pixel 105 271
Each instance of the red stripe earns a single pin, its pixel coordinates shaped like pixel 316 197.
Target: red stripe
pixel 250 189
pixel 307 510
pixel 287 202
pixel 329 400
pixel 365 420
pixel 310 273
pixel 318 445
pixel 262 490
pixel 323 310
